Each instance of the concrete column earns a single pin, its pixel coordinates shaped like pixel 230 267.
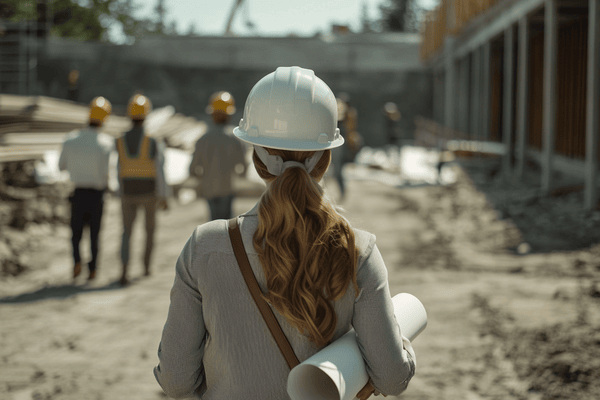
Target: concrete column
pixel 474 131
pixel 485 101
pixel 463 124
pixel 438 106
pixel 549 112
pixel 450 93
pixel 593 107
pixel 522 93
pixel 507 123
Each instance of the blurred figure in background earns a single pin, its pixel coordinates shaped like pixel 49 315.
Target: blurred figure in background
pixel 392 116
pixel 73 84
pixel 217 156
pixel 347 122
pixel 85 154
pixel 142 180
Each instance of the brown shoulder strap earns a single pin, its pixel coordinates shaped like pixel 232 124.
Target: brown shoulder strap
pixel 265 310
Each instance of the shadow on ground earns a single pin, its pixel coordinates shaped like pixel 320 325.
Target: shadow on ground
pixel 548 223
pixel 58 292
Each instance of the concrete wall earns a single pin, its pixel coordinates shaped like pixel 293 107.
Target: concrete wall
pixel 183 72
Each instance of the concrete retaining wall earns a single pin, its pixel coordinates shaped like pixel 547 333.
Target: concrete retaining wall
pixel 183 72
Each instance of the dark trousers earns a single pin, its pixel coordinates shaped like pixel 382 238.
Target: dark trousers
pixel 87 206
pixel 220 207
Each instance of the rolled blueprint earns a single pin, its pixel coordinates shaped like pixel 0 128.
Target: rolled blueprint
pixel 338 371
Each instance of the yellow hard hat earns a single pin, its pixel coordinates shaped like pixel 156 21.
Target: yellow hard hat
pixel 221 102
pixel 100 109
pixel 139 107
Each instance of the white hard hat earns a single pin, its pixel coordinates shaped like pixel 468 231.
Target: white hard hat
pixel 290 109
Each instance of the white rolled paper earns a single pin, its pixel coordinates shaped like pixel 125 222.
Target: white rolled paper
pixel 338 371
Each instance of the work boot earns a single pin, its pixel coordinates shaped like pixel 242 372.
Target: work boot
pixel 76 270
pixel 146 270
pixel 124 281
pixel 92 275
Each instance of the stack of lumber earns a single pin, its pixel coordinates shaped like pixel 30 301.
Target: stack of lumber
pixel 32 125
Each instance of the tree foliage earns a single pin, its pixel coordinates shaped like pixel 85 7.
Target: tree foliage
pixel 399 16
pixel 89 20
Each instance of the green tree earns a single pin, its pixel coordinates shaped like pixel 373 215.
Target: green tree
pixel 399 16
pixel 89 21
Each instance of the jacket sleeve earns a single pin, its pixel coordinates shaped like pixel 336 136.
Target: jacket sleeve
pixel 62 161
pixel 389 357
pixel 180 370
pixel 196 159
pixel 163 189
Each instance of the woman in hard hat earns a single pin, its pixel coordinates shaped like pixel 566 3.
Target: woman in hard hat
pixel 321 276
pixel 142 180
pixel 86 155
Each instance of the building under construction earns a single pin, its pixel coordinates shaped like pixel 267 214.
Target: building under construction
pixel 524 73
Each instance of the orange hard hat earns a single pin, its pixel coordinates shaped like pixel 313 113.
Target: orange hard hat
pixel 100 109
pixel 139 107
pixel 221 102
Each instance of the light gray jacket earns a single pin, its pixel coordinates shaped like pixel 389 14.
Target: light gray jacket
pixel 216 345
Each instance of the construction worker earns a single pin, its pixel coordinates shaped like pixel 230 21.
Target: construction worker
pixel 347 119
pixel 73 85
pixel 142 180
pixel 392 116
pixel 85 155
pixel 217 156
pixel 320 275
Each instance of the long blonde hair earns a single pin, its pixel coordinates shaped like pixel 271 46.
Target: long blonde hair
pixel 306 248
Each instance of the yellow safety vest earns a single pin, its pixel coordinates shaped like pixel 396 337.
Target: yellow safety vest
pixel 139 166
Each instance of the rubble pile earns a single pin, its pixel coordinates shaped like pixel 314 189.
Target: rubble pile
pixel 23 203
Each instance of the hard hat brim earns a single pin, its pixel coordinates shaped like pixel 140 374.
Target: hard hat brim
pixel 286 144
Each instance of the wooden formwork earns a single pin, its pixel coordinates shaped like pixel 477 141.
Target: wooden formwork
pixel 449 17
pixel 571 89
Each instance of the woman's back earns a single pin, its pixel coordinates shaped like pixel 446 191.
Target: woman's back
pixel 321 276
pixel 229 339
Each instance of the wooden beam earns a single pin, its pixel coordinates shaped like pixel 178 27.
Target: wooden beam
pixel 522 93
pixel 493 24
pixel 549 102
pixel 593 107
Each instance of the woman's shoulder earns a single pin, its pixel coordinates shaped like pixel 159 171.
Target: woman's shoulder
pixel 364 242
pixel 211 237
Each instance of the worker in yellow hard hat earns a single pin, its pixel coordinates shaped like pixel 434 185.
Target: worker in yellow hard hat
pixel 85 155
pixel 142 180
pixel 340 156
pixel 217 156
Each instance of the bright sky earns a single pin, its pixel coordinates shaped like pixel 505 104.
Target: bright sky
pixel 269 17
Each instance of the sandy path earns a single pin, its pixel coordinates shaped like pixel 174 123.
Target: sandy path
pixel 99 341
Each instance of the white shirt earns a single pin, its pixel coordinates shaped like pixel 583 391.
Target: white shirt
pixel 85 155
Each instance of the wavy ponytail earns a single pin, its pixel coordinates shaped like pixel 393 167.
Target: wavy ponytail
pixel 306 248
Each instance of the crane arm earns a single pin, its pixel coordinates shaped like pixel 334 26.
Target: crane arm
pixel 236 6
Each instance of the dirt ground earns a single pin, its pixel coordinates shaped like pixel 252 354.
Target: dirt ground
pixel 509 280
